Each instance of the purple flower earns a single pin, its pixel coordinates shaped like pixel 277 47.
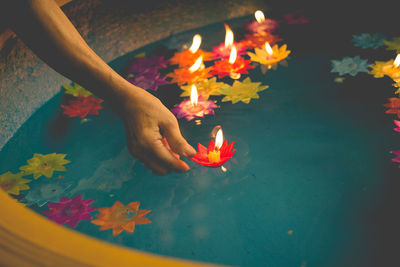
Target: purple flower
pixel 149 79
pixel 143 64
pixel 187 110
pixel 70 211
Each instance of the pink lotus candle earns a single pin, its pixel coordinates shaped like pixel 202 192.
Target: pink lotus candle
pixel 195 107
pixel 223 50
pixel 261 24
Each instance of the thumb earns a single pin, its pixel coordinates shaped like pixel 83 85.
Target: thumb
pixel 176 141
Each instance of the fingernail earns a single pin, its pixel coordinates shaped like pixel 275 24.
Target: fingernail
pixel 189 151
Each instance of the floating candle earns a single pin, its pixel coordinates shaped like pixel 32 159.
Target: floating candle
pixel 261 24
pixel 224 49
pixel 389 68
pixel 195 107
pixel 196 73
pixel 269 56
pixel 233 67
pixel 189 56
pixel 258 40
pixel 216 154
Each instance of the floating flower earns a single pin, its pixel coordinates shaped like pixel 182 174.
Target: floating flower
pixel 397 158
pixel 267 25
pixel 13 183
pixel 70 211
pixel 187 58
pixel 296 18
pixel 83 106
pixel 189 111
pixel 224 68
pixel 368 40
pixel 258 40
pixel 269 57
pixel 184 75
pixel 44 165
pixel 398 125
pixel 212 157
pixel 393 44
pixel 150 79
pixel 242 91
pixel 221 51
pixel 44 193
pixel 382 68
pixel 120 217
pixel 393 105
pixel 350 65
pixel 143 64
pixel 205 88
pixel 75 89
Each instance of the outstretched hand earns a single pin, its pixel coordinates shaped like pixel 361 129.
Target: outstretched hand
pixel 153 134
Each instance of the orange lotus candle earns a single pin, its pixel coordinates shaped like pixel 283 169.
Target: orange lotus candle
pixel 196 73
pixel 189 56
pixel 216 154
pixel 233 67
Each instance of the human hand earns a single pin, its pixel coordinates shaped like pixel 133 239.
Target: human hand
pixel 153 134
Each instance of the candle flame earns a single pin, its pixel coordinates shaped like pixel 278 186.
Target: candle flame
pixel 195 44
pixel 228 36
pixel 233 55
pixel 219 138
pixel 396 62
pixel 194 97
pixel 268 48
pixel 223 169
pixel 196 65
pixel 259 16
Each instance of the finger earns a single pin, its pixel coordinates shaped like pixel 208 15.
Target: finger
pixel 176 141
pixel 155 166
pixel 160 153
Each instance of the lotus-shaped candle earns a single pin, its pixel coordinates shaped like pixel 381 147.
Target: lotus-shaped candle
pixel 258 40
pixel 261 24
pixel 233 67
pixel 216 154
pixel 393 106
pixel 224 50
pixel 195 107
pixel 389 68
pixel 188 57
pixel 196 73
pixel 269 56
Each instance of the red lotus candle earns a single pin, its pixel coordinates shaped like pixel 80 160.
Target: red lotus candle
pixel 216 154
pixel 234 66
pixel 188 57
pixel 223 50
pixel 195 107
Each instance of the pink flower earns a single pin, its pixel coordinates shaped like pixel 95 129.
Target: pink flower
pixel 187 110
pixel 148 80
pixel 296 18
pixel 397 159
pixel 398 125
pixel 70 211
pixel 223 52
pixel 145 63
pixel 268 25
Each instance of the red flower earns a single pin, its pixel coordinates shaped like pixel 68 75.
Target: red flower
pixel 394 106
pixel 83 106
pixel 223 68
pixel 202 156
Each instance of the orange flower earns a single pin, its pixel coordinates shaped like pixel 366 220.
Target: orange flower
pixel 183 76
pixel 120 217
pixel 187 58
pixel 258 40
pixel 394 106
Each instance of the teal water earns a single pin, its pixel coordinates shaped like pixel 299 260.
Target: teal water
pixel 310 159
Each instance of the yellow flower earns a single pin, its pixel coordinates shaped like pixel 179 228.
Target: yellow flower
pixel 75 89
pixel 44 165
pixel 205 88
pixel 394 44
pixel 263 57
pixel 382 68
pixel 242 91
pixel 13 183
